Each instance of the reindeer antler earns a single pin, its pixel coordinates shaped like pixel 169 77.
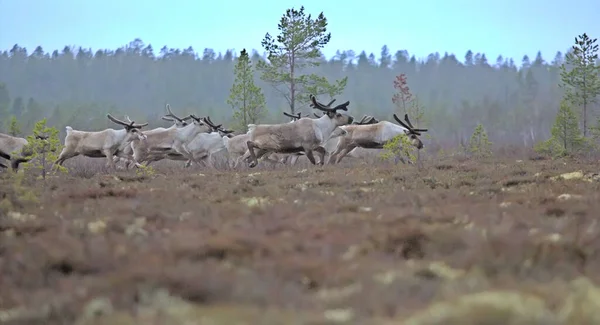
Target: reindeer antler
pixel 292 116
pixel 327 108
pixel 408 126
pixel 171 114
pixel 210 123
pixel 131 124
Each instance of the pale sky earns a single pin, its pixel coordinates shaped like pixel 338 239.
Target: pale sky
pixel 510 28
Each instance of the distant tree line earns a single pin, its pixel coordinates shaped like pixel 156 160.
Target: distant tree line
pixel 77 86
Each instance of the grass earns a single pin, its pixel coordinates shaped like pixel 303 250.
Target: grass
pixel 499 241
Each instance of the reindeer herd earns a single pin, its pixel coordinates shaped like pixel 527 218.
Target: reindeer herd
pixel 196 140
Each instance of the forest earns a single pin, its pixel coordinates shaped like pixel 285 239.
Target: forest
pixel 516 103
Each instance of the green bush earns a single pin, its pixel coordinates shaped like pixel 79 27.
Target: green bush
pixel 399 146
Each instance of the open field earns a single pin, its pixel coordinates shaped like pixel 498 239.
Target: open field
pixel 491 242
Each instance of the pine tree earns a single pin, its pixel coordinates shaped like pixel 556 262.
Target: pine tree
pixel 582 81
pixel 566 138
pixel 479 144
pixel 566 128
pixel 297 47
pixel 13 126
pixel 246 99
pixel 42 148
pixel 4 100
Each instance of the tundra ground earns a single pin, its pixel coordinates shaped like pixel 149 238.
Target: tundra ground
pixel 503 241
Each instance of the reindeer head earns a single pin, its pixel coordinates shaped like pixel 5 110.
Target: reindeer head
pixel 179 122
pixel 367 119
pixel 412 133
pixel 211 125
pixel 338 119
pixel 133 130
pixel 225 133
pixel 199 122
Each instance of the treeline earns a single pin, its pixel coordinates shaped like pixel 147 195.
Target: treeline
pixel 77 87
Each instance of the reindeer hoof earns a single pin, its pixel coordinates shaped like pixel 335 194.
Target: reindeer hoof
pixel 252 164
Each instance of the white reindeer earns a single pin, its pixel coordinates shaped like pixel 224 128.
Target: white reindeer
pixel 331 143
pixel 357 152
pixel 9 147
pixel 237 146
pixel 106 143
pixel 153 139
pixel 169 143
pixel 375 136
pixel 205 145
pixel 305 135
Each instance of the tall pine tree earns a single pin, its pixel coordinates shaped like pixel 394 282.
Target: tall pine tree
pixel 580 75
pixel 297 47
pixel 246 99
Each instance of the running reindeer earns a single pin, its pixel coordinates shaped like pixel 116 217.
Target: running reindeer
pixel 375 136
pixel 305 135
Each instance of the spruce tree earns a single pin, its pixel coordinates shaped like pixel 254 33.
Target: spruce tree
pixel 566 137
pixel 246 99
pixel 479 144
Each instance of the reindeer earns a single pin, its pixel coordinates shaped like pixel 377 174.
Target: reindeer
pixel 143 147
pixel 237 147
pixel 306 134
pixel 106 143
pixel 285 158
pixel 171 142
pixel 9 147
pixel 13 149
pixel 331 143
pixel 375 136
pixel 205 145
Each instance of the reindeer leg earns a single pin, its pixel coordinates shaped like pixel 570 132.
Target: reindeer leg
pixel 64 155
pixel 110 163
pixel 338 149
pixel 399 157
pixel 254 161
pixel 291 159
pixel 309 154
pixel 236 161
pixel 321 151
pixel 129 159
pixel 284 160
pixel 269 160
pixel 343 153
pixel 183 150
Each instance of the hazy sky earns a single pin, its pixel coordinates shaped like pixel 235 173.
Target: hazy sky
pixel 511 28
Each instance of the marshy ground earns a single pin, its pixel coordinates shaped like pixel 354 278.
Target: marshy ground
pixel 500 241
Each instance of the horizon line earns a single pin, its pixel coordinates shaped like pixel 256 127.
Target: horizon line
pixel 198 53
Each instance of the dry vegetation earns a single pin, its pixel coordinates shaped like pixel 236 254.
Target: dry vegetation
pixel 457 242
